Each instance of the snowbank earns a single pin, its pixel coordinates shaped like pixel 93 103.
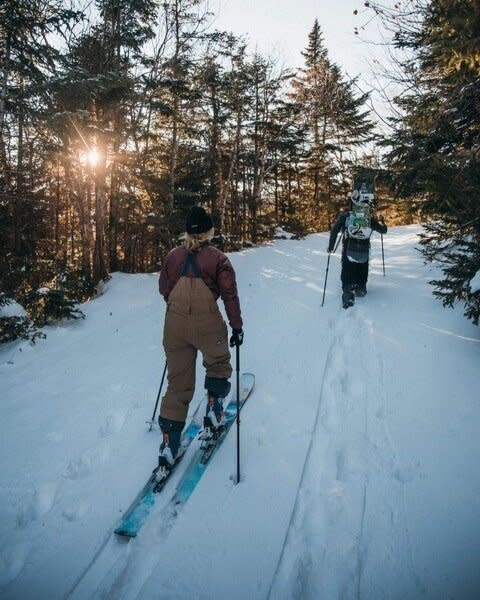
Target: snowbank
pixel 12 309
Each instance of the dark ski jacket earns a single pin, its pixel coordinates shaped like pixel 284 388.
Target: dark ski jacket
pixel 216 271
pixel 360 246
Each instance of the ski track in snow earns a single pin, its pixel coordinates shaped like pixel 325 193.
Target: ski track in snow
pixel 325 508
pixel 120 566
pixel 61 492
pixel 326 550
pixel 127 574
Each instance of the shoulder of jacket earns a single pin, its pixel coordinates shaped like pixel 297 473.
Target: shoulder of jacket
pixel 212 251
pixel 176 252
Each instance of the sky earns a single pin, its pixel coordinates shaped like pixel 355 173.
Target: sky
pixel 280 28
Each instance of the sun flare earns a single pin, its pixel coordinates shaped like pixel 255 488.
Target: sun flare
pixel 92 157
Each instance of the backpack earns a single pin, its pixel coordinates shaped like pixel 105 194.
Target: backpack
pixel 358 224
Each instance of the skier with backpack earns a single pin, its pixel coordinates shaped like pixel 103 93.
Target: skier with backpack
pixel 193 276
pixel 356 225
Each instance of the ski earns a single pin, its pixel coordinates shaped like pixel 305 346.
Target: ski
pixel 140 508
pixel 195 470
pixel 136 515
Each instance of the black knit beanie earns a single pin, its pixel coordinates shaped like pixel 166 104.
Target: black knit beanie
pixel 198 220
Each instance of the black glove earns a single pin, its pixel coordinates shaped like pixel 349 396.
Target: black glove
pixel 329 249
pixel 236 338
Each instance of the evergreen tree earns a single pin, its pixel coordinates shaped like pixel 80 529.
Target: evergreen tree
pixel 115 119
pixel 436 148
pixel 336 118
pixel 28 57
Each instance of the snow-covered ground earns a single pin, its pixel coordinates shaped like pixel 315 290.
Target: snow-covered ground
pixel 359 445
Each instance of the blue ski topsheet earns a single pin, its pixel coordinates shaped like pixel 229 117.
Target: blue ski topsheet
pixel 139 510
pixel 197 466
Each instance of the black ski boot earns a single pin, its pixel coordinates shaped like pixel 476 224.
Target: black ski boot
pixel 348 299
pixel 213 421
pixel 361 290
pixel 169 451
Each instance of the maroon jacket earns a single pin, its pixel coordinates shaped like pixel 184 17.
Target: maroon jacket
pixel 217 273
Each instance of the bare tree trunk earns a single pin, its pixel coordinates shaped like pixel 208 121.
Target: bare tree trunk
pixel 255 195
pixel 316 178
pixel 244 203
pixel 57 211
pixel 220 187
pixel 89 225
pixel 72 234
pixel 113 212
pixel 84 227
pixel 276 191
pixel 99 264
pixel 67 224
pixel 18 196
pixel 176 106
pixel 289 192
pixel 173 155
pixel 229 187
pixel 3 99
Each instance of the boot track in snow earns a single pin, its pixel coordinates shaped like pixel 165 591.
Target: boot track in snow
pixel 325 547
pixel 114 562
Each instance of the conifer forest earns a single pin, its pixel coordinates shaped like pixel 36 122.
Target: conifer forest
pixel 117 116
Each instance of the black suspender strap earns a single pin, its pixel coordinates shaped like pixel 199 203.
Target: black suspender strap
pixel 190 263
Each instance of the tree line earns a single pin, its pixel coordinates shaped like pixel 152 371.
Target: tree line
pixel 433 150
pixel 117 116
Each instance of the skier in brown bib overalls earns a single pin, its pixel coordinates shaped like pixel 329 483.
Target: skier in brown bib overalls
pixel 193 277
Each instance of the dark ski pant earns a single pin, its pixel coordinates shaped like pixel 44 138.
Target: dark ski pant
pixel 353 275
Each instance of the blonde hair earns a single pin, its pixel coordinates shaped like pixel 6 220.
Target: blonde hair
pixel 193 241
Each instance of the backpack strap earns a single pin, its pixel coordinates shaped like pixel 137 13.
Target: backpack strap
pixel 190 263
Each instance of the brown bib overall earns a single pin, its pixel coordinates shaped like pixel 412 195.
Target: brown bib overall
pixel 193 322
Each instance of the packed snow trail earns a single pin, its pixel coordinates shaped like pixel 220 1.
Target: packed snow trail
pixel 349 464
pixel 360 500
pixel 359 446
pixel 263 449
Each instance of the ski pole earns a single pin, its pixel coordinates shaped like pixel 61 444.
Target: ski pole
pixel 328 264
pixel 238 410
pixel 158 398
pixel 383 256
pixel 326 275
